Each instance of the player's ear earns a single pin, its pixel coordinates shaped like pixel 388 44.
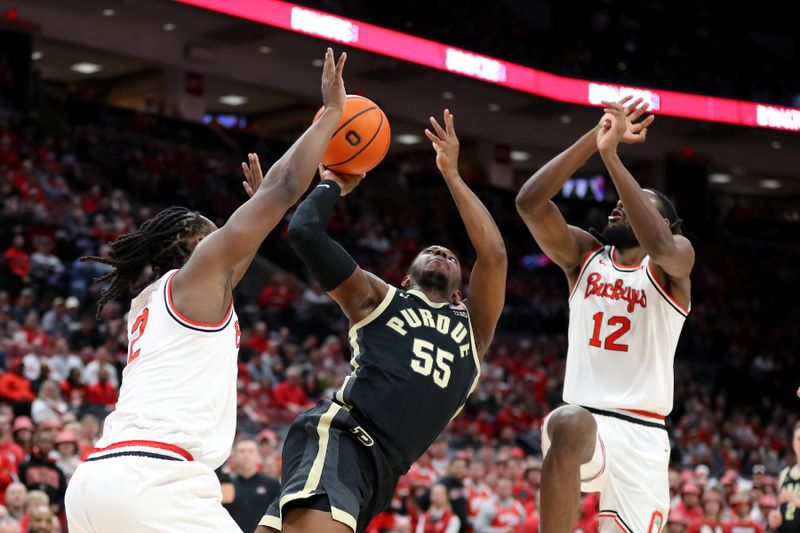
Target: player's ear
pixel 457 296
pixel 406 283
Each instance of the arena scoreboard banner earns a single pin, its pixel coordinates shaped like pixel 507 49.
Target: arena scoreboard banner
pixel 440 56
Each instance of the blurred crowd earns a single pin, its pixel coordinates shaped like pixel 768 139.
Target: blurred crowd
pixel 71 183
pixel 649 44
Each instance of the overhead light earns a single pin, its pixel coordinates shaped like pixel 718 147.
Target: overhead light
pixel 264 49
pixel 519 155
pixel 494 107
pixel 407 138
pixel 317 62
pixel 108 12
pixel 621 65
pixel 719 177
pixel 37 55
pixel 86 68
pixel 447 95
pixel 232 99
pixel 565 119
pixel 770 184
pixel 169 26
pixel 776 145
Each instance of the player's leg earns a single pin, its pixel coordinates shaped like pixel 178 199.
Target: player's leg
pixel 571 432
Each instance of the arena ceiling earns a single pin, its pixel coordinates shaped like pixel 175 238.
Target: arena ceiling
pixel 276 71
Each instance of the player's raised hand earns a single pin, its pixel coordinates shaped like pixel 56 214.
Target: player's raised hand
pixel 445 142
pixel 347 182
pixel 637 131
pixel 333 93
pixel 613 127
pixel 252 175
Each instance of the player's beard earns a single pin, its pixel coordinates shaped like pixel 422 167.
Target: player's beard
pixel 433 279
pixel 620 236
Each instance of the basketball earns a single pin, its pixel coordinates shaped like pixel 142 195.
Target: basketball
pixel 361 140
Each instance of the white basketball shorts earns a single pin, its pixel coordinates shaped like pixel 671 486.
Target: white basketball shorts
pixel 138 490
pixel 629 469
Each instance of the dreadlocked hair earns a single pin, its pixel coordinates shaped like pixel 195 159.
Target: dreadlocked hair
pixel 160 242
pixel 667 210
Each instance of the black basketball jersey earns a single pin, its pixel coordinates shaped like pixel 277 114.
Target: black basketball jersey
pixel 414 365
pixel 789 513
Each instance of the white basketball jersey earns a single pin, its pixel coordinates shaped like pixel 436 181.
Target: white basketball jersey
pixel 179 386
pixel 623 330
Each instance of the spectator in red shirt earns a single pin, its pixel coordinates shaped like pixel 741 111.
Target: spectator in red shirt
pixel 73 386
pixel 18 263
pixel 11 455
pixel 290 393
pixel 742 523
pixel 688 509
pixel 439 518
pixel 103 393
pixel 710 522
pixel 14 386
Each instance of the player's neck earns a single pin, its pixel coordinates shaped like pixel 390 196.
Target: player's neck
pixel 433 295
pixel 629 256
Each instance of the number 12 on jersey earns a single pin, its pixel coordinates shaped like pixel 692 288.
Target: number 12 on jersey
pixel 610 343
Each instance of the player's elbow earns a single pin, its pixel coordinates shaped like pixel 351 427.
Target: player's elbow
pixel 300 235
pixel 495 255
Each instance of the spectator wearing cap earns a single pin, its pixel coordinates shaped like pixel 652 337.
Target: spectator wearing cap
pixel 15 387
pixel 16 496
pixel 741 522
pixel 22 430
pixel 689 506
pixel 501 513
pixel 253 490
pixel 676 523
pixel 40 471
pixel 48 406
pixel 68 456
pixel 56 321
pixel 711 521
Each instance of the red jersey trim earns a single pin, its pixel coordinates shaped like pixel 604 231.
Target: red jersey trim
pixel 145 444
pixel 678 307
pixel 586 260
pixel 177 314
pixel 621 267
pixel 648 414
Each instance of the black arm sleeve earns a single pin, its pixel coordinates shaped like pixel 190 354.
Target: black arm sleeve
pixel 328 262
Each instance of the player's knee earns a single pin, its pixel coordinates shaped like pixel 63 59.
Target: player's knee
pixel 572 430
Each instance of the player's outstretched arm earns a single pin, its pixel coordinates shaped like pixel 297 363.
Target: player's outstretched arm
pixel 487 285
pixel 673 253
pixel 212 263
pixel 356 291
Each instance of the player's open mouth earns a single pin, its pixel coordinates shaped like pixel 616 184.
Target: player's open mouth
pixel 615 216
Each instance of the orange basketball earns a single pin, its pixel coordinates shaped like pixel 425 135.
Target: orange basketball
pixel 361 140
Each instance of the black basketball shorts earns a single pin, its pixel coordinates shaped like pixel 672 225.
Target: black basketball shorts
pixel 331 463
